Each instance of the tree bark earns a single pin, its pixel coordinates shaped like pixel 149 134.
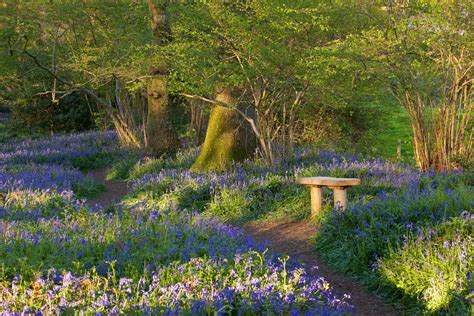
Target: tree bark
pixel 199 120
pixel 229 138
pixel 161 135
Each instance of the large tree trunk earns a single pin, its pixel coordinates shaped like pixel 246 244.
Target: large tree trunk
pixel 161 135
pixel 229 137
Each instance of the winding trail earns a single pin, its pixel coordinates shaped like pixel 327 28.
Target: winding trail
pixel 115 190
pixel 291 238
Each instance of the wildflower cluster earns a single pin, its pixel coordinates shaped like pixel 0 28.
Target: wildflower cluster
pixel 60 256
pixel 374 232
pixel 81 150
pixel 53 163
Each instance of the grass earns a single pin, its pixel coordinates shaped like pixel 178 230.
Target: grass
pixel 396 127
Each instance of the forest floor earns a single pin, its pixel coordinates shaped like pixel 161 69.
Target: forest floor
pixel 290 238
pixel 293 238
pixel 114 189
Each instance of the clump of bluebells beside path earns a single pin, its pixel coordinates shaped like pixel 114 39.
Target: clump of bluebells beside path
pixel 58 255
pixel 407 234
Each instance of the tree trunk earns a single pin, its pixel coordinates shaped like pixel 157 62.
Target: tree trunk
pixel 199 120
pixel 161 135
pixel 229 137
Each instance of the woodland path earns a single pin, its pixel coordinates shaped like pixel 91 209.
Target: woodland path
pixel 114 189
pixel 291 238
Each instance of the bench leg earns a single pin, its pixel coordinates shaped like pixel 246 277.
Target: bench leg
pixel 316 200
pixel 340 198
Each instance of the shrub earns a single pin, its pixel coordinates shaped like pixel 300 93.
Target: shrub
pixel 69 114
pixel 434 264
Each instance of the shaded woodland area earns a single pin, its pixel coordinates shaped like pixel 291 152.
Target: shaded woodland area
pixel 236 157
pixel 263 75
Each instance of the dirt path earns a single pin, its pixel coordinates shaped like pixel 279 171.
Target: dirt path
pixel 293 239
pixel 286 238
pixel 114 189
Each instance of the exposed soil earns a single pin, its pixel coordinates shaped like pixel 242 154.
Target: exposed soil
pixel 114 189
pixel 287 239
pixel 293 239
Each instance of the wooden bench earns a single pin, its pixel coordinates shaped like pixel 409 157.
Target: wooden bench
pixel 339 185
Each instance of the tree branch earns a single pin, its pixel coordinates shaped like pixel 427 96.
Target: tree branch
pixel 40 65
pixel 250 120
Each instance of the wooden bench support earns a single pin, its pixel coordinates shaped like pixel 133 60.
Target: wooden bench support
pixel 316 199
pixel 340 197
pixel 338 185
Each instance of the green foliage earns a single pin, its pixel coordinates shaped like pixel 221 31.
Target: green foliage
pixel 85 45
pixel 87 189
pixel 432 265
pixel 6 131
pixel 280 47
pixel 181 160
pixel 94 161
pixel 230 203
pixel 421 52
pixel 120 170
pixel 69 114
pixel 389 237
pixel 147 166
pixel 347 56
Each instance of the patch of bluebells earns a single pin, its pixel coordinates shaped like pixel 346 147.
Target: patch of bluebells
pixel 261 185
pixel 52 163
pixel 152 261
pixel 374 239
pixel 246 284
pixel 43 177
pixel 33 187
pixel 72 150
pixel 32 205
pixel 393 201
pixel 137 258
pixel 385 221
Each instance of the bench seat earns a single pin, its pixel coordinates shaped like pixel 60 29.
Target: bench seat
pixel 328 181
pixel 339 185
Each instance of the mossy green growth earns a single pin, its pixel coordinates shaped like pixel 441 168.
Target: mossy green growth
pixel 226 141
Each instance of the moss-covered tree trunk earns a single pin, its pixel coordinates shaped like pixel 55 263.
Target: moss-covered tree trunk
pixel 228 138
pixel 161 135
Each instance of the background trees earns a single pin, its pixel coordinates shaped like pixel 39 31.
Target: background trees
pixel 330 72
pixel 422 50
